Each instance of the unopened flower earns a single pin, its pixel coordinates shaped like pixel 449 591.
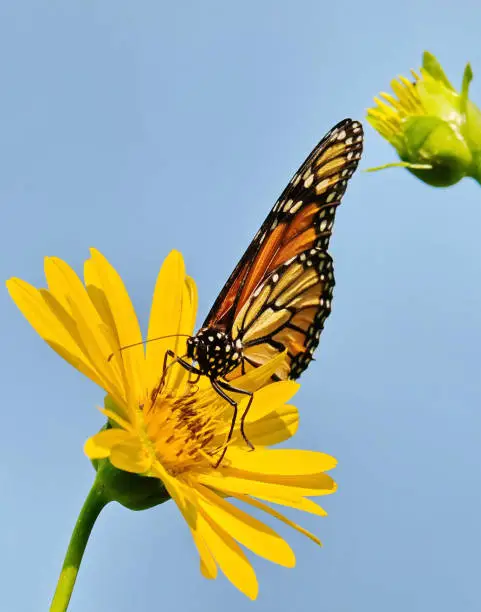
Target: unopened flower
pixel 435 130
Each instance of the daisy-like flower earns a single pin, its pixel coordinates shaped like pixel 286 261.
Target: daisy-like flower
pixel 435 130
pixel 174 433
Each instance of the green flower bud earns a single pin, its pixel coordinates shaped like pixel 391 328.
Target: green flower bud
pixel 435 130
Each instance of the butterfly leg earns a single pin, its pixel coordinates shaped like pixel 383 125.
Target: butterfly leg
pixel 217 387
pixel 193 380
pixel 228 387
pixel 160 386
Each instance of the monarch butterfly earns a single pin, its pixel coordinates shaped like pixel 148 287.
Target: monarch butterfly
pixel 279 294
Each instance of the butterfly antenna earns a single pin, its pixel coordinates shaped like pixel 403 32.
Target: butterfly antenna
pixel 127 346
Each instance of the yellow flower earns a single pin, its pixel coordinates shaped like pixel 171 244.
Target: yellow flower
pixel 435 130
pixel 176 433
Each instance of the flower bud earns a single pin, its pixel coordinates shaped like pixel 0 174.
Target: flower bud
pixel 435 130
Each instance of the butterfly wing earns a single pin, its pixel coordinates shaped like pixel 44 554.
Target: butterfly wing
pixel 302 219
pixel 287 311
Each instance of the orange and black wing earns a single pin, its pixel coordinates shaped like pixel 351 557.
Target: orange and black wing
pixel 302 219
pixel 286 312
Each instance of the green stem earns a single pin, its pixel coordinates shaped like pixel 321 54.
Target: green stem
pixel 91 509
pixel 401 165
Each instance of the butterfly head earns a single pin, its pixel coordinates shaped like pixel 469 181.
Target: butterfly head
pixel 215 351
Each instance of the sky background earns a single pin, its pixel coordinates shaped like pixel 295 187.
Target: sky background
pixel 139 127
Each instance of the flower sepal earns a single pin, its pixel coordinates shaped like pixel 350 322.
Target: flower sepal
pixel 433 142
pixel 132 491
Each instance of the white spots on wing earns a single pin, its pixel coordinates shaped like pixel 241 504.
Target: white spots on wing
pixel 275 278
pixel 257 291
pixel 323 225
pixel 287 205
pixel 238 344
pixel 295 207
pixel 210 338
pixel 331 196
pixel 349 141
pixel 322 185
pixel 342 134
pixel 303 257
pixel 227 348
pixel 308 181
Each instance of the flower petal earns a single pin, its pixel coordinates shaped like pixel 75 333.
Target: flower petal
pixel 34 307
pixel 269 428
pixel 123 319
pixel 284 462
pixel 100 445
pixel 208 566
pixel 98 356
pixel 248 531
pixel 230 480
pixel 277 515
pixel 229 556
pixel 165 315
pixel 186 326
pixel 131 456
pixel 261 376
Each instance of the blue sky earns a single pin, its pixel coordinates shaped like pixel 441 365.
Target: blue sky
pixel 141 127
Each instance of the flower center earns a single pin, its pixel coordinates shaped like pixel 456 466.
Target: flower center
pixel 183 431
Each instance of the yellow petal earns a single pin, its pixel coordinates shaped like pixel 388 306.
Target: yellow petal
pixel 182 495
pixel 116 417
pixel 124 321
pixel 230 481
pixel 277 515
pixel 208 566
pixel 285 462
pixel 31 302
pixel 248 531
pixel 131 456
pixel 269 428
pixel 261 376
pixel 165 315
pixel 100 445
pixel 229 556
pixel 304 504
pixel 96 355
pixel 186 326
